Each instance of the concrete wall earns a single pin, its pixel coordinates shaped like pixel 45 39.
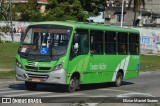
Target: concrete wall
pixel 149 40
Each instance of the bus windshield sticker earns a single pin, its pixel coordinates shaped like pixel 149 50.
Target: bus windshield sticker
pixel 44 50
pixel 23 50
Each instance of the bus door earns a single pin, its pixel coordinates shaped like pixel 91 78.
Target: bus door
pixel 79 55
pixel 97 57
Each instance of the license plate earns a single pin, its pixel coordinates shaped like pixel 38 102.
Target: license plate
pixel 36 80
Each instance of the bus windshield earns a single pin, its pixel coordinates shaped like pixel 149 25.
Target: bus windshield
pixel 46 40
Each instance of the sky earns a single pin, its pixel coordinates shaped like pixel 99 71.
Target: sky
pixel 98 18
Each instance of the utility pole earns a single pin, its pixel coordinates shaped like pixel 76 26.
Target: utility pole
pixel 11 25
pixel 122 13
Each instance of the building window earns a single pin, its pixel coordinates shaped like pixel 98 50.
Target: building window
pixel 118 16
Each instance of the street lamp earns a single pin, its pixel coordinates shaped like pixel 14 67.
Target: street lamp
pixel 122 13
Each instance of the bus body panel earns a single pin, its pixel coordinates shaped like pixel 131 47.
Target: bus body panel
pixel 93 68
pixel 102 68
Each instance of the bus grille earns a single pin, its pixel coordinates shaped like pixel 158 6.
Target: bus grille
pixel 32 68
pixel 41 76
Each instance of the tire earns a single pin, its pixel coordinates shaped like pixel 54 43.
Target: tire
pixel 73 85
pixel 118 80
pixel 31 85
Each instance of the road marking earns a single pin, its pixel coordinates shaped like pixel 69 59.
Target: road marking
pixel 136 94
pixel 4 92
pixel 91 104
pixel 26 94
pixel 38 93
pixel 115 90
pixel 98 96
pixel 4 89
pixel 64 95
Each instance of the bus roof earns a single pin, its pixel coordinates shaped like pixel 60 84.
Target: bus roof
pixel 88 25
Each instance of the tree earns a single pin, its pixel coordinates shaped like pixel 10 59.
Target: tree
pixel 29 11
pixel 59 10
pixel 93 7
pixel 136 7
pixel 78 10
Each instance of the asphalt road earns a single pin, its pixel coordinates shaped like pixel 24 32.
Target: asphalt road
pixel 146 85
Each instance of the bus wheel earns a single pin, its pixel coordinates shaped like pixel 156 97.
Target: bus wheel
pixel 118 80
pixel 73 85
pixel 30 85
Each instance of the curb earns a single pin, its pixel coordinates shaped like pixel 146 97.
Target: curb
pixel 9 81
pixel 6 70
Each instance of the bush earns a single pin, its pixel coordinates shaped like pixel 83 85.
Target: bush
pixel 4 29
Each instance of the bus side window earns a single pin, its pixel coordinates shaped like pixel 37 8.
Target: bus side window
pixel 122 43
pixel 82 41
pixel 134 44
pixel 110 42
pixel 96 42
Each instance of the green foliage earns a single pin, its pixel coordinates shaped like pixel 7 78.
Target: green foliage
pixel 4 29
pixel 29 11
pixel 65 10
pixel 60 10
pixel 78 10
pixel 93 7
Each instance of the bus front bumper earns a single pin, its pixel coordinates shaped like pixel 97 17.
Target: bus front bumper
pixel 54 77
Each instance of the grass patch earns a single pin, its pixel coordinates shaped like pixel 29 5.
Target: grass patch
pixel 8 52
pixel 7 74
pixel 150 63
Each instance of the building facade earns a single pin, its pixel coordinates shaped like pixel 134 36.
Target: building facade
pixel 150 16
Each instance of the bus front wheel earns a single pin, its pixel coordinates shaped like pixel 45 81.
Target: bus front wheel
pixel 118 80
pixel 73 85
pixel 30 85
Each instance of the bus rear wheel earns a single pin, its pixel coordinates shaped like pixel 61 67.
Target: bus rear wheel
pixel 73 85
pixel 118 80
pixel 31 85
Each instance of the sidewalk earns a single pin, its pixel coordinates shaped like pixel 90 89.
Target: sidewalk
pixel 9 69
pixel 9 81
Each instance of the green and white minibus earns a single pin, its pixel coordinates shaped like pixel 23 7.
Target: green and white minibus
pixel 75 53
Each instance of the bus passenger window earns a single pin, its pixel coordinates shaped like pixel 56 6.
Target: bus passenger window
pixel 82 42
pixel 96 42
pixel 133 44
pixel 110 42
pixel 122 43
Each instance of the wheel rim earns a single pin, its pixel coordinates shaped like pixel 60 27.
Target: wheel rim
pixel 72 84
pixel 119 80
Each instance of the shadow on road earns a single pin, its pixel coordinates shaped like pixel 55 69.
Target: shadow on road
pixel 61 89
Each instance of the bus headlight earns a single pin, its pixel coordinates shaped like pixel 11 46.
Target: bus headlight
pixel 59 66
pixel 18 64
